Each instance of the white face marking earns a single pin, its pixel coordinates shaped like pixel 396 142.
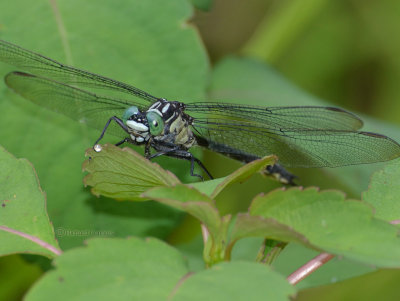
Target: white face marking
pixel 156 111
pixel 165 109
pixel 140 127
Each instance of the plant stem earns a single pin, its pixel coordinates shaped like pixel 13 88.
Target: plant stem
pixel 309 268
pixel 34 239
pixel 270 250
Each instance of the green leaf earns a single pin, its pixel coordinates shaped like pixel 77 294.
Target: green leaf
pixel 164 57
pixel 123 174
pixel 383 192
pixel 247 225
pixel 24 224
pixel 337 269
pixel 214 187
pixel 235 281
pixel 332 224
pixel 208 187
pixel 243 173
pixel 136 269
pixel 201 207
pixel 372 286
pixel 191 201
pixel 113 269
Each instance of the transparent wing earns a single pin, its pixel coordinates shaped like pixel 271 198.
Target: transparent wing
pixel 276 118
pixel 45 67
pixel 299 136
pixel 80 105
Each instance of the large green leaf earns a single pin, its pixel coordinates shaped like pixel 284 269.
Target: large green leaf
pixel 379 285
pixel 337 269
pixel 331 223
pixel 123 174
pixel 145 43
pixel 383 192
pixel 235 281
pixel 113 269
pixel 24 224
pixel 136 269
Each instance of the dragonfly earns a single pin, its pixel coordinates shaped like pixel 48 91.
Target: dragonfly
pixel 300 136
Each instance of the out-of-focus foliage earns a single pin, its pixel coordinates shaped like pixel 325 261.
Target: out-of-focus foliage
pixel 342 51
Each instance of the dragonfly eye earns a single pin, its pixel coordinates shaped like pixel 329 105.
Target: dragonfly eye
pixel 129 112
pixel 156 123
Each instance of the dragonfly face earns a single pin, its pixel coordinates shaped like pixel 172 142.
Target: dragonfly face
pixel 164 122
pixel 138 125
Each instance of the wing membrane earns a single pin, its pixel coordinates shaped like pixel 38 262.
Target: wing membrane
pixel 45 67
pixel 276 118
pixel 80 105
pixel 299 136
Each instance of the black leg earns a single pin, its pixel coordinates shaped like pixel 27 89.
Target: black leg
pixel 162 153
pixel 122 141
pixel 189 156
pixel 172 150
pixel 147 153
pixel 194 159
pixel 119 122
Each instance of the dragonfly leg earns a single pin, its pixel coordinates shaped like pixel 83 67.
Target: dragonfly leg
pixel 119 122
pixel 183 154
pixel 186 156
pixel 122 141
pixel 171 150
pixel 162 153
pixel 194 159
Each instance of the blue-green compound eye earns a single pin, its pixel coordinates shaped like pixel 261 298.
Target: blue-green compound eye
pixel 129 112
pixel 156 123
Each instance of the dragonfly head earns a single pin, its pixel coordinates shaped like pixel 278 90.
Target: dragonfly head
pixel 143 125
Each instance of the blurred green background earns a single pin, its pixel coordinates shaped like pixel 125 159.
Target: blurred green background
pixel 346 52
pixel 340 52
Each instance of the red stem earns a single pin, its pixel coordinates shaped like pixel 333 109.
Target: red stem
pixel 34 239
pixel 309 268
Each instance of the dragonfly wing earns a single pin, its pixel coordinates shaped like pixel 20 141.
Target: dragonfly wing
pixel 80 105
pixel 45 67
pixel 296 147
pixel 275 118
